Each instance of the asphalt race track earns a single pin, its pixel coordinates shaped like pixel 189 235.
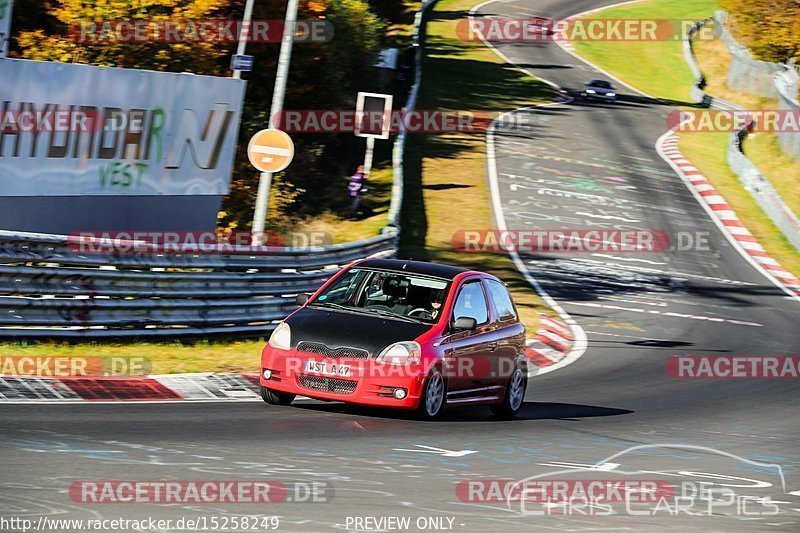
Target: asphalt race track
pixel 616 405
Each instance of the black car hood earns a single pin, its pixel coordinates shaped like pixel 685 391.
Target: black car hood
pixel 338 329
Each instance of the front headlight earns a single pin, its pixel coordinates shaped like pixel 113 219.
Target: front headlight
pixel 611 94
pixel 401 353
pixel 281 337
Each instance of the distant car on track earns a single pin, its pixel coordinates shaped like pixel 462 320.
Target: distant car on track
pixel 599 89
pixel 542 25
pixel 405 334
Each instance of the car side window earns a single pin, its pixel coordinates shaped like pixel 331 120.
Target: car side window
pixel 502 300
pixel 471 303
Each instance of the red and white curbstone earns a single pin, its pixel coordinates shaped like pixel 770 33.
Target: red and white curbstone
pixel 725 214
pixel 166 388
pixel 550 345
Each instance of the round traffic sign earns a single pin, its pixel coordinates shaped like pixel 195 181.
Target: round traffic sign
pixel 270 150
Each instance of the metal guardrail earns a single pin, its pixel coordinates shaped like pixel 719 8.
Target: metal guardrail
pixel 753 180
pixel 51 288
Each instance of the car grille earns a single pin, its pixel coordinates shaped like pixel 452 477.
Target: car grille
pixel 332 353
pixel 340 386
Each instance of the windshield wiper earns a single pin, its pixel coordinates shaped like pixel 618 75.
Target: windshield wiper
pixel 394 315
pixel 367 310
pixel 335 306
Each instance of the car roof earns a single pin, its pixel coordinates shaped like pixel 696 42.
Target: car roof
pixel 414 267
pixel 599 82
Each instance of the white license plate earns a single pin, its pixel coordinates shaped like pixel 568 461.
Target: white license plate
pixel 328 368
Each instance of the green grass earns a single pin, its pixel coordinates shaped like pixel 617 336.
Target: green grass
pixel 446 188
pixel 655 67
pixel 376 204
pixel 659 69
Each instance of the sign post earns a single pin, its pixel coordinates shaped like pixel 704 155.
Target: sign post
pixel 240 63
pixel 244 35
pixel 373 121
pixel 5 26
pixel 285 57
pixel 270 150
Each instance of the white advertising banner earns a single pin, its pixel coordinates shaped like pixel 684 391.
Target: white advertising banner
pixel 74 130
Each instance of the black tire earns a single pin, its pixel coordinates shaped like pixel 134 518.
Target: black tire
pixel 274 397
pixel 515 395
pixel 435 385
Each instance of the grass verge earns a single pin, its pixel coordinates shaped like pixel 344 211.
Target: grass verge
pixel 446 188
pixel 658 68
pixel 655 67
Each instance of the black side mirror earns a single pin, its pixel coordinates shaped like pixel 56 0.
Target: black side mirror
pixel 302 298
pixel 465 323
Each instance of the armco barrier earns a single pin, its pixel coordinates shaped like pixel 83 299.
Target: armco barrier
pixel 753 180
pixel 50 288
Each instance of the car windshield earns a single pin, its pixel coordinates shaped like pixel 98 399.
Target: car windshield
pixel 600 83
pixel 404 296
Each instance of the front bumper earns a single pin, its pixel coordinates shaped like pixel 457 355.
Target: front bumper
pixel 600 96
pixel 367 383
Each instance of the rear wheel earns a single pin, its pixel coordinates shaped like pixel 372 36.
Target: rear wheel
pixel 431 403
pixel 274 397
pixel 515 394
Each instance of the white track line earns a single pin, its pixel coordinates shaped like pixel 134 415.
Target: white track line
pixel 581 342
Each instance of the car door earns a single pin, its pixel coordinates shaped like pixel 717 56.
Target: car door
pixel 509 333
pixel 468 353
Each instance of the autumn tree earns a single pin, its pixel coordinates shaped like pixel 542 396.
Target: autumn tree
pixel 769 28
pixel 67 45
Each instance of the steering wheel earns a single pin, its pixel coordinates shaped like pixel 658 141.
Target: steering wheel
pixel 419 310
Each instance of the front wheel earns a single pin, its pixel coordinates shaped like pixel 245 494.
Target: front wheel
pixel 515 394
pixel 274 397
pixel 431 403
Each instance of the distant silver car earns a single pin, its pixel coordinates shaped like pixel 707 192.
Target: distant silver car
pixel 599 89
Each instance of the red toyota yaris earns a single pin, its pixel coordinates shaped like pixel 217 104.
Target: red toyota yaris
pixel 404 334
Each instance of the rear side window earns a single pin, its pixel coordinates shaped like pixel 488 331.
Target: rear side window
pixel 502 300
pixel 471 303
